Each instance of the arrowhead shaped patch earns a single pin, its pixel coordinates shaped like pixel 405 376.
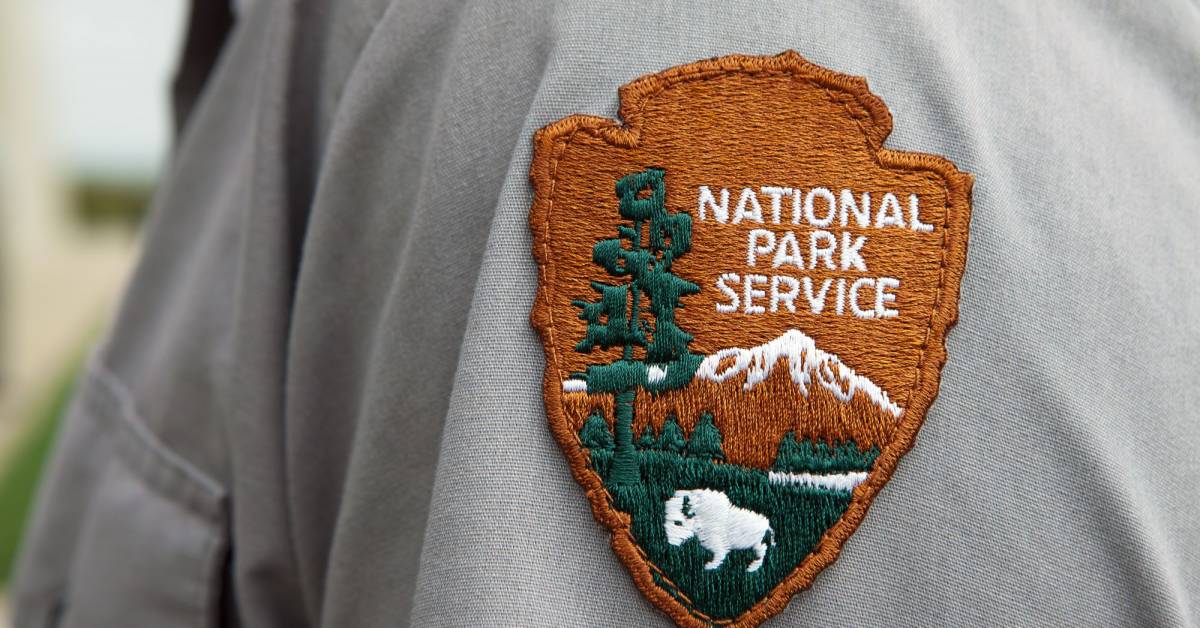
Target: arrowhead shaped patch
pixel 743 302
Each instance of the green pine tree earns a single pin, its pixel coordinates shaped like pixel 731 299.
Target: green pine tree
pixel 595 434
pixel 672 436
pixel 705 441
pixel 648 439
pixel 640 312
pixel 788 453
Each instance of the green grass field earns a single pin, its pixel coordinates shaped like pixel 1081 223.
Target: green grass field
pixel 19 474
pixel 799 516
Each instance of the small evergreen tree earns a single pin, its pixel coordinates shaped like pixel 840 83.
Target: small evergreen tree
pixel 788 454
pixel 672 439
pixel 595 434
pixel 648 439
pixel 705 441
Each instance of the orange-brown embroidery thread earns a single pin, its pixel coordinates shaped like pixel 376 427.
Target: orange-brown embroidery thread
pixel 743 300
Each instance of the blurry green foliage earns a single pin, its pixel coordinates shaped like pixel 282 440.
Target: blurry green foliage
pixel 19 475
pixel 104 201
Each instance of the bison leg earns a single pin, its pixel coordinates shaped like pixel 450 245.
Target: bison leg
pixel 718 558
pixel 760 551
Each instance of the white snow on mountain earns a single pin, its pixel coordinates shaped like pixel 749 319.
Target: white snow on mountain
pixel 805 362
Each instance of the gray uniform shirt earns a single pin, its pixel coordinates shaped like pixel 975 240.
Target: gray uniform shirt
pixel 320 404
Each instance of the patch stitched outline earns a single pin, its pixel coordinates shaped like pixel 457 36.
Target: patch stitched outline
pixel 743 300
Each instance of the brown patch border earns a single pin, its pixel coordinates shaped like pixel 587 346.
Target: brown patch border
pixel 549 144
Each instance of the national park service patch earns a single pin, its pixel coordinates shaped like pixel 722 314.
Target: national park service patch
pixel 743 302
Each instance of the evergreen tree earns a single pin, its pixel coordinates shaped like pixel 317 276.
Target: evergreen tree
pixel 705 441
pixel 642 254
pixel 595 434
pixel 648 440
pixel 672 439
pixel 788 453
pixel 791 454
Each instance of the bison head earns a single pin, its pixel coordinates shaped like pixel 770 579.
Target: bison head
pixel 680 520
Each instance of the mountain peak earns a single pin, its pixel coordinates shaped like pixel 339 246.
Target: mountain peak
pixel 806 362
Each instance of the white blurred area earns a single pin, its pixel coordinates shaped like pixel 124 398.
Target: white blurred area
pixel 84 93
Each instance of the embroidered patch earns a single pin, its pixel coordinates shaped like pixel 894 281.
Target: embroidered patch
pixel 743 303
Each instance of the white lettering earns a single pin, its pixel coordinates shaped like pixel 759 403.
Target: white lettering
pixel 788 251
pixel 786 297
pixel 776 194
pixel 914 215
pixel 861 216
pixel 854 288
pixel 889 212
pixel 882 297
pixel 721 211
pixel 749 293
pixel 748 198
pixel 730 293
pixel 851 255
pixel 753 249
pixel 816 303
pixel 816 251
pixel 810 212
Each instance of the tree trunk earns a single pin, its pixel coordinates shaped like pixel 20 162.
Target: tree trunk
pixel 625 464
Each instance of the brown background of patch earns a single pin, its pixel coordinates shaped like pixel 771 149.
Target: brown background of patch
pixel 752 121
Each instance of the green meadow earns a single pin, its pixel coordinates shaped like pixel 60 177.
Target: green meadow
pixel 799 515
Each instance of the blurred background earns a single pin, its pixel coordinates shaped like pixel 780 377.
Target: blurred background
pixel 85 127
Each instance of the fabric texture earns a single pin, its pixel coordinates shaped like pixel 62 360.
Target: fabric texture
pixel 326 377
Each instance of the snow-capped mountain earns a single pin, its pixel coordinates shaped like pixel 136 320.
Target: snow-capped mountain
pixel 806 362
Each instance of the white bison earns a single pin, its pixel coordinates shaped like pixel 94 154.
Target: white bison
pixel 720 526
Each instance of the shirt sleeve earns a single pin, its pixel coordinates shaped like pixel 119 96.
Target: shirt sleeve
pixel 321 401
